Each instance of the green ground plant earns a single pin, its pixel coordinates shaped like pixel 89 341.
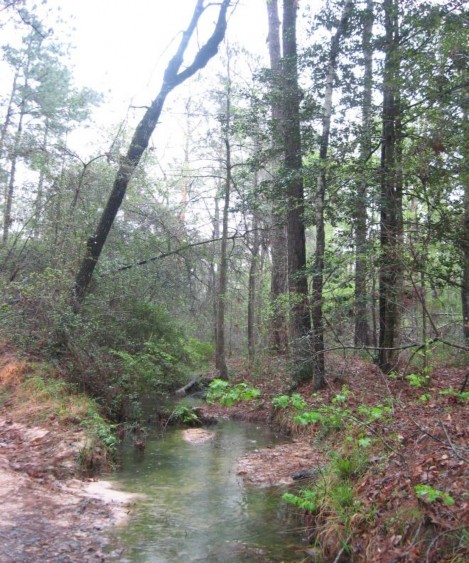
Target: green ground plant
pixel 429 494
pixel 462 396
pixel 185 414
pixel 227 394
pixel 295 401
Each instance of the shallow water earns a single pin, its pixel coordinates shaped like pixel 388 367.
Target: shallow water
pixel 198 509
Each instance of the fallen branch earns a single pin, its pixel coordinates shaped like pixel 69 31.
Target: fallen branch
pixel 182 249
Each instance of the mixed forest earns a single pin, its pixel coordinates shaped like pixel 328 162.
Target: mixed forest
pixel 306 243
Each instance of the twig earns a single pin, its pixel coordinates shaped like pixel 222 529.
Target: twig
pixel 453 447
pixel 439 439
pixel 436 538
pixel 339 555
pixel 181 249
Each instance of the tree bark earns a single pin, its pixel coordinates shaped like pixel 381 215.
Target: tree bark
pixel 173 77
pixel 9 112
pixel 300 321
pixel 10 187
pixel 362 330
pixel 252 288
pixel 278 236
pixel 220 357
pixel 465 227
pixel 318 275
pixel 390 275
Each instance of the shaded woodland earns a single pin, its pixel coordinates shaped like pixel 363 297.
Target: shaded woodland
pixel 304 243
pixel 332 185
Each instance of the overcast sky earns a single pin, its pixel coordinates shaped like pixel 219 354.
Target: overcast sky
pixel 122 46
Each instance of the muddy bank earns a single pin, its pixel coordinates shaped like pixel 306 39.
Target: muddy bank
pixel 280 465
pixel 47 513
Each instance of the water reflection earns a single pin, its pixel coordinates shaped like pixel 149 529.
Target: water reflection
pixel 197 509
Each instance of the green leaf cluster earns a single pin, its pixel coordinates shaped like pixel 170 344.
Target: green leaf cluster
pixel 228 394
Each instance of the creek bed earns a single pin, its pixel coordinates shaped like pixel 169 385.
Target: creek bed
pixel 197 508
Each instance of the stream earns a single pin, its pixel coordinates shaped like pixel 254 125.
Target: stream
pixel 197 509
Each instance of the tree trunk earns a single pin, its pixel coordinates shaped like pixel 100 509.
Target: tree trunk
pixel 390 275
pixel 9 112
pixel 278 236
pixel 252 287
pixel 220 357
pixel 318 275
pixel 362 331
pixel 10 187
pixel 300 321
pixel 465 229
pixel 213 271
pixel 173 77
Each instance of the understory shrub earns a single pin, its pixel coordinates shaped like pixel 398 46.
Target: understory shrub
pixel 117 349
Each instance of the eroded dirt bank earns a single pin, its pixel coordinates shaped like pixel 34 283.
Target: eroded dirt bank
pixel 47 514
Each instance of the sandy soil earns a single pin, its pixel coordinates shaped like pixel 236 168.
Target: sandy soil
pixel 47 513
pixel 197 435
pixel 277 465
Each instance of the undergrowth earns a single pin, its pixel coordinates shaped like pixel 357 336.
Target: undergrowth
pixel 38 396
pixel 336 512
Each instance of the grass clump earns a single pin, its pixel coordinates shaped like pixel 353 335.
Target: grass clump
pixel 39 396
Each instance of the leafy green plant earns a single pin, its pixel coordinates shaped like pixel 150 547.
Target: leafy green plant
pixel 462 396
pixel 331 417
pixel 186 414
pixel 371 413
pixel 425 397
pixel 306 499
pixel 417 380
pixel 342 396
pixel 284 401
pixel 309 417
pixel 228 394
pixel 281 402
pixel 428 493
pixel 364 442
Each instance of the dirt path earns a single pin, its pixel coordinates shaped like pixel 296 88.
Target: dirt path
pixel 47 514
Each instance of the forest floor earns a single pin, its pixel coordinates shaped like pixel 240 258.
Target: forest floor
pixel 410 435
pixel 49 513
pixel 409 479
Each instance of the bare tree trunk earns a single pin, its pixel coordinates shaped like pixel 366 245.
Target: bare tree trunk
pixel 40 187
pixel 362 331
pixel 220 357
pixel 278 236
pixel 10 187
pixel 252 288
pixel 465 229
pixel 318 276
pixel 213 272
pixel 300 321
pixel 9 112
pixel 390 275
pixel 173 77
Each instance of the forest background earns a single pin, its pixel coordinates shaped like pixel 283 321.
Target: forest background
pixel 300 205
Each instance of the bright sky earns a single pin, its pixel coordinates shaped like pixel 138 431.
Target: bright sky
pixel 122 46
